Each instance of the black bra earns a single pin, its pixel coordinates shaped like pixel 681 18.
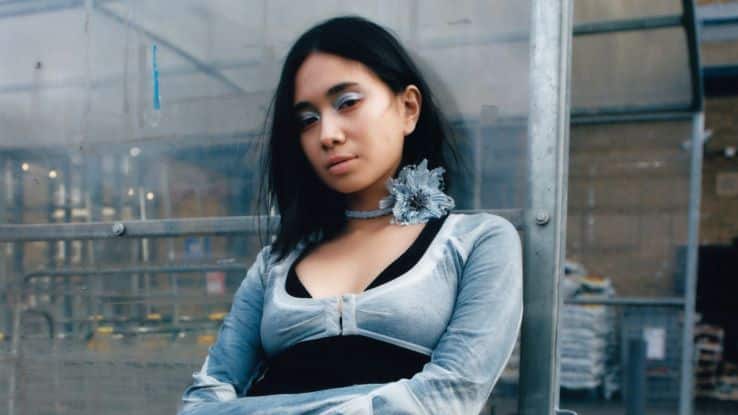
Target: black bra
pixel 340 361
pixel 398 267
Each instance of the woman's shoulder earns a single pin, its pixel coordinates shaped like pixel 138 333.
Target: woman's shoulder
pixel 482 230
pixel 269 256
pixel 481 223
pixel 263 261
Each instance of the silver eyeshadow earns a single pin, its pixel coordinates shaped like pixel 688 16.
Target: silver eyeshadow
pixel 349 96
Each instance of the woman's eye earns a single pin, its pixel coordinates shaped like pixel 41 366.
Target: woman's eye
pixel 306 120
pixel 348 100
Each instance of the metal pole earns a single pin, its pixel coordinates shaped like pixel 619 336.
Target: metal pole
pixel 167 209
pixel 545 214
pixel 686 394
pixel 15 353
pixel 635 382
pixel 65 186
pixel 5 274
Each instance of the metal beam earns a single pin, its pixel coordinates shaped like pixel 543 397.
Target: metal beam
pixel 627 25
pixel 631 118
pixel 13 9
pixel 719 21
pixel 581 29
pixel 691 26
pixel 631 110
pixel 677 302
pixel 153 269
pixel 218 226
pixel 686 395
pixel 130 229
pixel 545 213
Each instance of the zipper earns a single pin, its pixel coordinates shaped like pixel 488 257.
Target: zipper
pixel 340 313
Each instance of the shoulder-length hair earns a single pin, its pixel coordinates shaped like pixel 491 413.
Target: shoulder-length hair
pixel 308 208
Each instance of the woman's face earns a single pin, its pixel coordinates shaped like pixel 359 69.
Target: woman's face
pixel 346 112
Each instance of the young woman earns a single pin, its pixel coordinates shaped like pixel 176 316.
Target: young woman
pixel 374 298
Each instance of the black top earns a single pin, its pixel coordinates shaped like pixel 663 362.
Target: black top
pixel 338 361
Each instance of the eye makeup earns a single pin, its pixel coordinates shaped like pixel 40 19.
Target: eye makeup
pixel 347 97
pixel 305 118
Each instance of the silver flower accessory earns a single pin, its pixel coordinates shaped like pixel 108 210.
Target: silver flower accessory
pixel 416 195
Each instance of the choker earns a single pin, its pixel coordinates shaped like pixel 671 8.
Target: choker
pixel 368 214
pixel 415 196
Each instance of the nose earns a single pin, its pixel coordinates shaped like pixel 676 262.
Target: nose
pixel 330 131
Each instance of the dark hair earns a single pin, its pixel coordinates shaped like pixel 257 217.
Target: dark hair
pixel 308 208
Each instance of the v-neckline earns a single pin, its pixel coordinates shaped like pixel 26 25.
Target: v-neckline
pixel 389 273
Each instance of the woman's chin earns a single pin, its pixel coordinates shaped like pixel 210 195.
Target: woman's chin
pixel 346 190
pixel 346 186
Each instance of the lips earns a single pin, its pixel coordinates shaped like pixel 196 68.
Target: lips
pixel 341 165
pixel 333 160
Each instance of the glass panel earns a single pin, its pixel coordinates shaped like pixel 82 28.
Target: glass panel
pixel 626 237
pixel 628 69
pixel 84 142
pixel 95 133
pixel 628 190
pixel 595 10
pixel 719 53
pixel 126 318
pixel 718 33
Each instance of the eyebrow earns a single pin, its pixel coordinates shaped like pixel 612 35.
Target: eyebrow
pixel 335 89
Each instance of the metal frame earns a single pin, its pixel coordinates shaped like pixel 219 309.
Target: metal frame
pixel 631 118
pixel 686 20
pixel 686 303
pixel 158 228
pixel 545 215
pixel 213 69
pixel 686 395
pixel 625 25
pixel 543 221
pixel 694 113
pixel 693 45
pixel 676 302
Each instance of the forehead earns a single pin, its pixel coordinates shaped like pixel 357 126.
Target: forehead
pixel 320 71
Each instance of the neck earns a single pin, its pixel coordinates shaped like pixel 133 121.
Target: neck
pixel 367 225
pixel 367 199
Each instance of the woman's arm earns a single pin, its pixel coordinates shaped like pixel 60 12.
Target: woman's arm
pixel 465 364
pixel 236 358
pixel 476 345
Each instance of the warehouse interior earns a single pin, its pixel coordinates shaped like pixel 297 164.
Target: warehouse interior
pixel 130 141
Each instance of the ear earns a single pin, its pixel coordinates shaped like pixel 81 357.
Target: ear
pixel 411 101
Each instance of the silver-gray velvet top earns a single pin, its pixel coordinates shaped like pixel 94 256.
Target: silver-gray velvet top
pixel 461 303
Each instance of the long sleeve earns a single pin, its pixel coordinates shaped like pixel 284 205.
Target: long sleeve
pixel 465 364
pixel 476 345
pixel 236 358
